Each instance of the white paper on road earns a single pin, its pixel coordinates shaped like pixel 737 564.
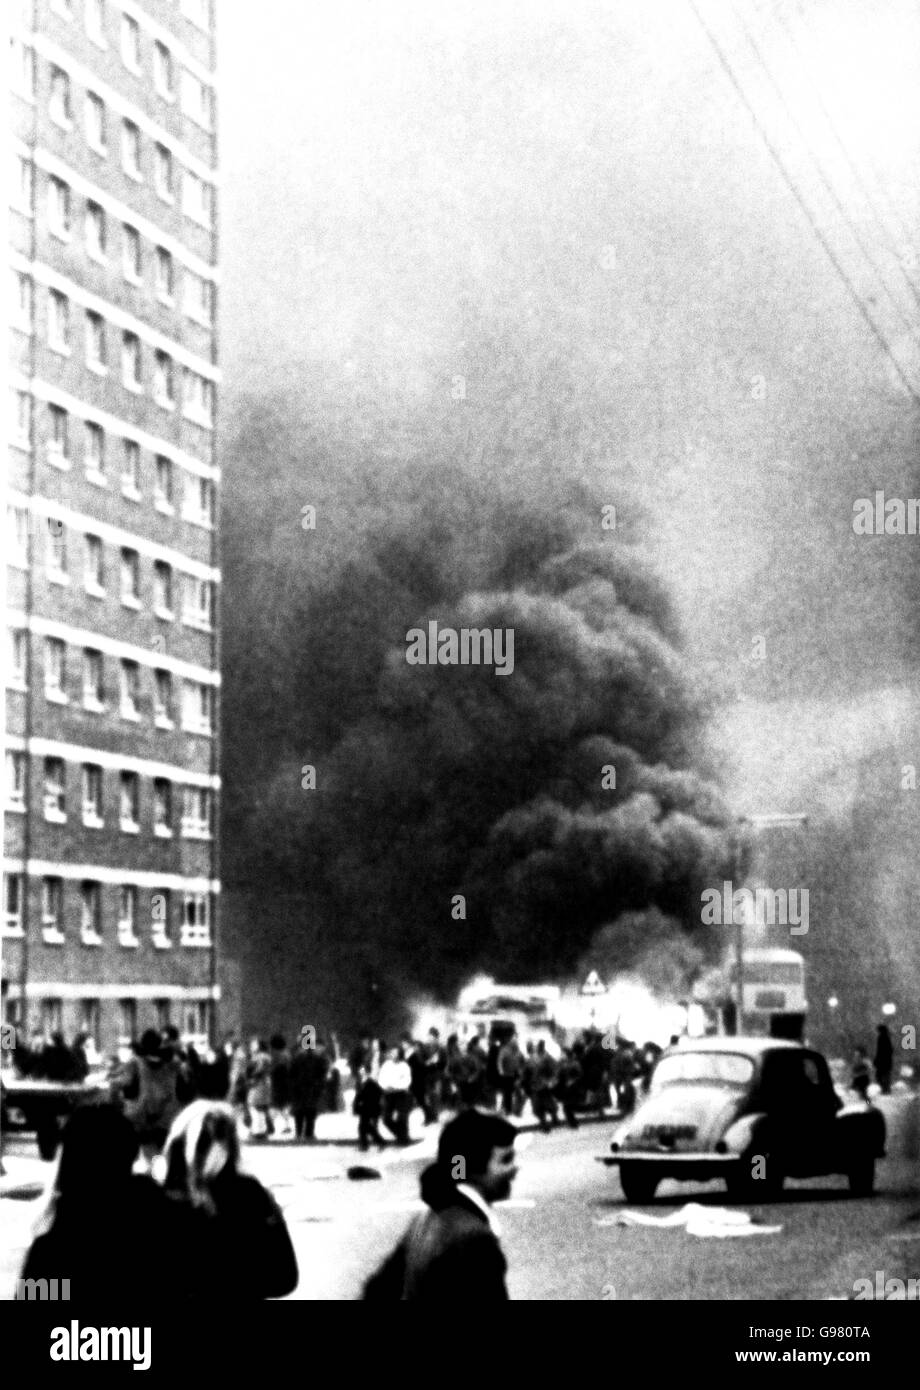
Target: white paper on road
pixel 718 1222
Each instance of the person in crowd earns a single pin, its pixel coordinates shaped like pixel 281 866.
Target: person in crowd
pixel 396 1082
pixel 435 1064
pixel 454 1073
pixel 212 1081
pixel 884 1059
pixel 569 1084
pixel 861 1074
pixel 281 1085
pixel 411 1052
pixel 491 1083
pixel 102 1227
pixel 60 1062
pixel 528 1066
pixel 368 1106
pixel 510 1065
pixel 451 1253
pixel 259 1090
pixel 239 1063
pixel 149 1085
pixel 242 1246
pixel 596 1063
pixel 545 1079
pixel 309 1069
pixel 359 1059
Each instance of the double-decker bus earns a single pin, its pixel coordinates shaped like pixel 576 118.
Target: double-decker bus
pixel 773 1002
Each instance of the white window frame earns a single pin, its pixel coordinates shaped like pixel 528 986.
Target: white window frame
pixel 127 915
pixel 197 199
pixel 17 776
pixel 60 102
pixel 91 697
pixel 22 302
pixel 60 208
pixel 195 613
pixel 22 69
pixel 130 824
pixel 164 70
pixel 58 448
pixel 165 282
pixel 129 690
pixel 131 360
pixel 55 659
pixel 22 185
pixel 197 100
pixel 95 123
pixel 18 659
pixel 162 827
pixel 20 419
pixel 198 398
pixel 13 892
pixel 131 150
pixel 130 565
pixel 129 480
pixel 195 927
pixel 130 44
pixel 96 238
pixel 94 566
pixel 194 511
pixel 163 173
pixel 164 581
pixel 163 708
pixel 18 523
pixel 52 909
pixel 94 20
pixel 163 497
pixel 94 455
pixel 92 781
pixel 90 913
pixel 59 323
pixel 54 793
pixel 96 338
pixel 198 708
pixel 195 824
pixel 132 264
pixel 56 553
pixel 164 380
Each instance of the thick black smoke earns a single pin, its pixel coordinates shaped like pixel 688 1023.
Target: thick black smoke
pixel 438 781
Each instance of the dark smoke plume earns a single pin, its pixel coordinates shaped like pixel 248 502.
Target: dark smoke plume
pixel 436 781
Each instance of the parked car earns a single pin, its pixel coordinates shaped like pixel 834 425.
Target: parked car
pixel 753 1111
pixel 28 1103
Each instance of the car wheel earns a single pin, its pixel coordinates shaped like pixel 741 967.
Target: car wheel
pixel 861 1177
pixel 639 1184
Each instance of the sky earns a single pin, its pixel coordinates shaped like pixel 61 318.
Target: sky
pixel 576 208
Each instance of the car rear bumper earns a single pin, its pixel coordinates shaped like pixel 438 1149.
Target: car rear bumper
pixel 680 1165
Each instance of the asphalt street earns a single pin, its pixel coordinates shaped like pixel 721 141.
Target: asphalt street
pixel 559 1230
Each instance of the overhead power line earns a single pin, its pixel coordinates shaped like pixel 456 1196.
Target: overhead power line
pixel 797 194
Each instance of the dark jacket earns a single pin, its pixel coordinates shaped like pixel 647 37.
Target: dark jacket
pixel 448 1255
pixel 307 1080
pixel 242 1249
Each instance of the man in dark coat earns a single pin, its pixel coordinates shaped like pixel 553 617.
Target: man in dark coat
pixel 451 1253
pixel 309 1069
pixel 884 1059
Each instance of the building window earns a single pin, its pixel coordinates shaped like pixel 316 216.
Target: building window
pixel 163 380
pixel 131 149
pixel 55 790
pixel 131 362
pixel 22 59
pixel 164 274
pixel 127 915
pixel 199 500
pixel 17 664
pixel 94 570
pixel 196 198
pixel 196 813
pixel 130 579
pixel 130 691
pixel 163 172
pixel 162 807
pixel 92 795
pixel 59 208
pixel 21 418
pixel 94 451
pixel 91 913
pixel 53 909
pixel 160 912
pixel 197 708
pixel 162 589
pixel 58 439
pixel 198 298
pixel 197 100
pixel 59 322
pixel 95 122
pixel 163 698
pixel 163 483
pixel 127 1021
pixel 131 252
pixel 95 341
pixel 95 21
pixel 196 602
pixel 129 802
pixel 131 469
pixel 22 301
pixel 51 1016
pixel 59 104
pixel 195 920
pixel 15 781
pixel 93 687
pixel 17 537
pixel 199 399
pixel 12 904
pixel 130 43
pixel 90 1021
pixel 95 231
pixel 22 184
pixel 56 551
pixel 163 70
pixel 56 670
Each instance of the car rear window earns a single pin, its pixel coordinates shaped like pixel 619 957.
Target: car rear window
pixel 729 1068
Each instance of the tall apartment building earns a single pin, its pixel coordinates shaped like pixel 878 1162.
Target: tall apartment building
pixel 110 870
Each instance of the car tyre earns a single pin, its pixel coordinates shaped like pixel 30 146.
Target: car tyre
pixel 639 1184
pixel 861 1176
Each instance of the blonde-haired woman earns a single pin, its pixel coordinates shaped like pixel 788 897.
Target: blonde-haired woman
pixel 245 1248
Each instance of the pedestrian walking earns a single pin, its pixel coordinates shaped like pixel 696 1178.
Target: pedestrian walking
pixel 309 1069
pixel 395 1081
pixel 103 1228
pixel 451 1253
pixel 281 1085
pixel 259 1090
pixel 149 1085
pixel 435 1063
pixel 242 1246
pixel 568 1086
pixel 545 1078
pixel 368 1106
pixel 861 1074
pixel 510 1065
pixel 884 1059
